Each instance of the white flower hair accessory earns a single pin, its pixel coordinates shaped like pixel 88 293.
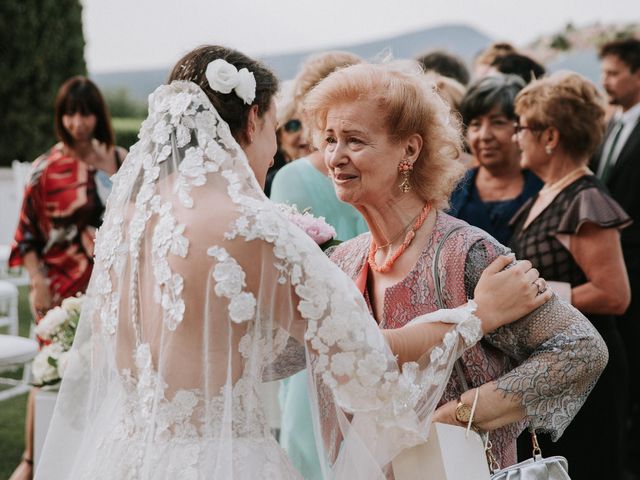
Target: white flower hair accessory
pixel 224 77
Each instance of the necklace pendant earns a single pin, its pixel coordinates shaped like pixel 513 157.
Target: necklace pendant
pixel 373 249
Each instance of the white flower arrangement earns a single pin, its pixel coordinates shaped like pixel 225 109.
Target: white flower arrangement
pixel 58 327
pixel 224 77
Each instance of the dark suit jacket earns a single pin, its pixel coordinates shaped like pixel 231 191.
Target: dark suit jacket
pixel 624 186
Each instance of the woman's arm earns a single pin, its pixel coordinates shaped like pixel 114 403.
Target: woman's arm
pixel 493 410
pixel 40 295
pixel 29 241
pixel 502 296
pixel 598 253
pixel 561 355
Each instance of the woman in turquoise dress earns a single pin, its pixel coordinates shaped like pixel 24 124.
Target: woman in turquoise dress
pixel 306 184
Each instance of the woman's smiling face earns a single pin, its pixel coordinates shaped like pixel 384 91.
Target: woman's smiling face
pixel 359 153
pixel 490 138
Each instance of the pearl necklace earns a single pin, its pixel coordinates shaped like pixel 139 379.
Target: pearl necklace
pixel 563 181
pixel 373 249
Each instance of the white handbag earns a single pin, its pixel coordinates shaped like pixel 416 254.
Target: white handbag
pixel 449 454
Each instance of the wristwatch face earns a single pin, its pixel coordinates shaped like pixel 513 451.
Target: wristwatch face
pixel 463 412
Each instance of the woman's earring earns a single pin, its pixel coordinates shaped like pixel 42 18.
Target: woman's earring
pixel 548 150
pixel 405 168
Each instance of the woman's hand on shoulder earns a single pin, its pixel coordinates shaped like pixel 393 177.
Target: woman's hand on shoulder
pixel 504 295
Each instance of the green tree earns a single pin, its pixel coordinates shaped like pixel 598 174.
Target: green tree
pixel 42 44
pixel 560 42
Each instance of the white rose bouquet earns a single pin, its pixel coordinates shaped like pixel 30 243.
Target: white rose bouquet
pixel 59 328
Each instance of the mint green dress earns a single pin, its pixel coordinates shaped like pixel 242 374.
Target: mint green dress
pixel 300 183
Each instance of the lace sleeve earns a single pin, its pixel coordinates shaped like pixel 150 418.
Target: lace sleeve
pixel 287 363
pixel 561 354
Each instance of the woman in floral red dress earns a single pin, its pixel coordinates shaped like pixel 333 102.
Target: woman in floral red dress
pixel 62 208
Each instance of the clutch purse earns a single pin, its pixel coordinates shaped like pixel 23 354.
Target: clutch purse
pixel 536 468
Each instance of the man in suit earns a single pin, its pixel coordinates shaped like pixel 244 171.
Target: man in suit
pixel 617 164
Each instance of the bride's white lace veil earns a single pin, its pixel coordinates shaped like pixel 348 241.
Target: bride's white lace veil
pixel 201 291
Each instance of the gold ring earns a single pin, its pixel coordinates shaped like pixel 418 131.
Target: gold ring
pixel 541 284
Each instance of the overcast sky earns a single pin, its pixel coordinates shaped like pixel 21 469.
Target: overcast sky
pixel 141 34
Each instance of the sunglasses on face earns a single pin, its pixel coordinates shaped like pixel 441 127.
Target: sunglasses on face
pixel 292 126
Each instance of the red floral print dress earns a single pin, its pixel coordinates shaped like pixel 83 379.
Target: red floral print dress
pixel 60 213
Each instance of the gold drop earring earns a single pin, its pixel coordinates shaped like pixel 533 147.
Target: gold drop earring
pixel 405 168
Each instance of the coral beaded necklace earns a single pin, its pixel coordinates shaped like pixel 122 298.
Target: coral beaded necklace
pixel 373 249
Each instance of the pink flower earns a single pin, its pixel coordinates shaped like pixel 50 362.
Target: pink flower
pixel 316 227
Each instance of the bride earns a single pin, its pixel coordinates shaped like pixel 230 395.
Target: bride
pixel 202 290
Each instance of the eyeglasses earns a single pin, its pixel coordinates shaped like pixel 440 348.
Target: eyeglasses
pixel 292 126
pixel 519 128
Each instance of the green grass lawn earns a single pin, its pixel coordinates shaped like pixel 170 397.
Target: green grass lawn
pixel 126 130
pixel 126 123
pixel 12 411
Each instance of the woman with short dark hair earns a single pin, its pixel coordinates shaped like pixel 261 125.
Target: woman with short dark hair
pixel 491 193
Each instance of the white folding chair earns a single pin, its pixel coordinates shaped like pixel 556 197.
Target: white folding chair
pixel 15 352
pixel 9 306
pixel 21 173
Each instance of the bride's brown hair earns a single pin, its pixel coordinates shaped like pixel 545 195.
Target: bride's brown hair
pixel 232 109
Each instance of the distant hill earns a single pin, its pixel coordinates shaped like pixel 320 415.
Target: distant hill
pixel 462 40
pixel 573 48
pixel 584 62
pixel 459 39
pixel 139 84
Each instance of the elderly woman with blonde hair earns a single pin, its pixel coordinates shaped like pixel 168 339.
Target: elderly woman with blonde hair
pixel 570 231
pixel 391 147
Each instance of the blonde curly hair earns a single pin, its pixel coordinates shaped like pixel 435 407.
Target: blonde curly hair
pixel 410 104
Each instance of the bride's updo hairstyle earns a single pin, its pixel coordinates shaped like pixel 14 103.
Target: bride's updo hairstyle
pixel 232 109
pixel 408 101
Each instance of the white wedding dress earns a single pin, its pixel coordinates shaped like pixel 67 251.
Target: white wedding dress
pixel 201 291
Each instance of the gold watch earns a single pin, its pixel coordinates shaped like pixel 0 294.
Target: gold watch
pixel 463 412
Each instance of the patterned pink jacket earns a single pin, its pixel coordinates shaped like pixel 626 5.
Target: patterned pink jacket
pixel 546 359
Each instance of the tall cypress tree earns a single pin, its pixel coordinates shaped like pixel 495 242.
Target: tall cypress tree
pixel 42 45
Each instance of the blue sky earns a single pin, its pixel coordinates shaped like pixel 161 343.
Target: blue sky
pixel 141 34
